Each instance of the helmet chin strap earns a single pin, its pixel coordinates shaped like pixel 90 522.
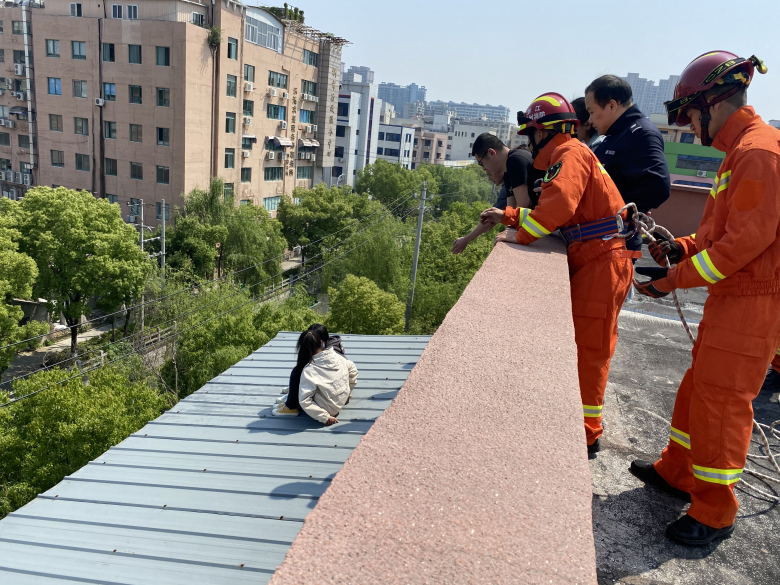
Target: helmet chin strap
pixel 705 106
pixel 704 126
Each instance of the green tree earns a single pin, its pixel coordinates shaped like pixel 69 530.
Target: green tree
pixel 52 434
pixel 359 306
pixel 386 182
pixel 453 185
pixel 82 249
pixel 17 275
pixel 254 245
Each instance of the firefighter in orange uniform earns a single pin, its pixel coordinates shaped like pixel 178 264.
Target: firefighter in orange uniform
pixel 735 253
pixel 579 197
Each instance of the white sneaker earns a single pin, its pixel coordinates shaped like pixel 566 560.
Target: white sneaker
pixel 282 410
pixel 282 399
pixel 285 390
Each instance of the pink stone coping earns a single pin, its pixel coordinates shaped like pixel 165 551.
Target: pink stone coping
pixel 478 471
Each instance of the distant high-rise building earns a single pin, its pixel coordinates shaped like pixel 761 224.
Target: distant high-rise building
pixel 400 95
pixel 648 96
pixel 365 73
pixel 469 111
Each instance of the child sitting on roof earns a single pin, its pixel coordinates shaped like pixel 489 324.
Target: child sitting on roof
pixel 323 378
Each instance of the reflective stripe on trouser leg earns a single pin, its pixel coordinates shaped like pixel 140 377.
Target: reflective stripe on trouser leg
pixel 721 476
pixel 591 411
pixel 680 437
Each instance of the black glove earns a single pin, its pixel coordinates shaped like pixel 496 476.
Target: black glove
pixel 664 248
pixel 657 276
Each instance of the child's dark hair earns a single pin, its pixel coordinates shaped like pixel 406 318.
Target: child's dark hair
pixel 321 331
pixel 308 343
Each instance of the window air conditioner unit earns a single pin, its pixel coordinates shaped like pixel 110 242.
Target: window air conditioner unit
pixel 20 95
pixel 301 155
pixel 26 179
pixel 315 99
pixel 3 176
pixel 249 86
pixel 247 120
pixel 10 123
pixel 308 156
pixel 245 153
pixel 341 160
pixel 308 129
pixel 313 157
pixel 701 173
pixel 272 91
pixel 131 218
pixel 314 128
pixel 286 95
pixel 99 102
pixel 18 178
pixel 2 121
pixel 284 125
pixel 19 68
pixel 271 155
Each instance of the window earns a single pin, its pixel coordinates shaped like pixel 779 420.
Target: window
pixel 230 122
pixel 108 53
pixel 343 110
pixel 273 174
pixel 414 154
pixel 135 206
pixel 19 57
pixel 426 155
pixel 389 137
pixel 230 158
pixel 698 163
pixel 137 171
pixel 109 92
pixel 57 158
pixel 311 58
pixel 78 49
pixel 307 116
pixel 52 48
pixel 438 155
pixel 249 73
pixel 381 136
pixel 304 172
pixel 277 80
pixel 427 143
pixel 392 152
pixel 687 137
pixel 136 134
pixel 245 202
pixel 5 139
pixel 265 35
pixel 309 87
pixel 231 86
pixel 111 167
pixel 249 108
pixel 167 205
pixel 164 56
pixel 134 54
pixel 55 122
pixel 272 203
pixel 1 32
pixel 17 27
pixel 116 11
pixel 380 150
pixel 82 162
pixel 112 198
pixel 439 143
pixel 75 8
pixel 135 94
pixel 227 191
pixel 109 130
pixel 162 137
pixel 55 86
pixel 5 164
pixel 132 12
pixel 246 143
pixel 232 49
pixel 3 109
pixel 472 135
pixel 275 112
pixel 339 153
pixel 163 97
pixel 81 126
pixel 79 88
pixel 341 130
pixel 415 142
pixel 163 177
pixel 246 175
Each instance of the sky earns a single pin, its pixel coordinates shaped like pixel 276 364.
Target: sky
pixel 509 52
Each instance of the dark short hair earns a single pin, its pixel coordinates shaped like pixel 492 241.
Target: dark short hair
pixel 579 108
pixel 610 87
pixel 321 331
pixel 484 142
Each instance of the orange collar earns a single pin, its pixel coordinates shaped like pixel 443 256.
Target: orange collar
pixel 735 125
pixel 543 160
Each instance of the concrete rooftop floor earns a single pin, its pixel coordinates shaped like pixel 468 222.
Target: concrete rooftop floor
pixel 629 519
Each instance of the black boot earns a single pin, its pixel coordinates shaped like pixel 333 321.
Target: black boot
pixel 772 381
pixel 645 471
pixel 691 532
pixel 594 448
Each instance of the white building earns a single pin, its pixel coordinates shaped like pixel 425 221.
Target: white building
pixel 395 144
pixel 460 140
pixel 357 127
pixel 648 96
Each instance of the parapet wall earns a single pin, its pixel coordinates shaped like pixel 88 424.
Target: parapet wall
pixel 478 472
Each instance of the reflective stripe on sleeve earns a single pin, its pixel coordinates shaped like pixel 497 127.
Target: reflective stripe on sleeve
pixel 713 475
pixel 681 438
pixel 603 170
pixel 724 181
pixel 706 268
pixel 532 226
pixel 591 411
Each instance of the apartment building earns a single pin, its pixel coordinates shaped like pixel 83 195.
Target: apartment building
pixel 395 144
pixel 358 120
pixel 400 95
pixel 460 140
pixel 429 147
pixel 131 101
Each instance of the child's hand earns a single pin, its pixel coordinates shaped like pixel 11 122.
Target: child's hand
pixel 331 421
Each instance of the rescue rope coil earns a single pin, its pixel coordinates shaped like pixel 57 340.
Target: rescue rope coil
pixel 646 225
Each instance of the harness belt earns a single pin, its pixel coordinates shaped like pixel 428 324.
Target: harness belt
pixel 582 232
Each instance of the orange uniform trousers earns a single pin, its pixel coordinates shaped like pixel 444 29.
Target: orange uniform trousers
pixel 713 415
pixel 600 280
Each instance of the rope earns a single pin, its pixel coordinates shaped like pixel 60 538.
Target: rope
pixel 646 226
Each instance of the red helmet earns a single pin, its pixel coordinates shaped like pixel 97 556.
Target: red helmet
pixel 703 73
pixel 546 112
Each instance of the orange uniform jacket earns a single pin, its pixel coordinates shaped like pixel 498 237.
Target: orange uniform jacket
pixel 736 249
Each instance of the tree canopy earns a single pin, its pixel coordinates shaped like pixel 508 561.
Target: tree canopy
pixel 359 306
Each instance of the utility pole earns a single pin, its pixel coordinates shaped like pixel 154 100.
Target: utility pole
pixel 141 241
pixel 141 237
pixel 162 241
pixel 416 256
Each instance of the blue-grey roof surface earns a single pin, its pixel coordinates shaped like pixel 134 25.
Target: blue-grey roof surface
pixel 213 491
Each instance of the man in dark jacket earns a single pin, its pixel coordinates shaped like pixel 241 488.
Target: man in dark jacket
pixel 633 150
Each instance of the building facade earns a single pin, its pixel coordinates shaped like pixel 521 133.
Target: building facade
pixel 460 140
pixel 648 96
pixel 470 111
pixel 365 73
pixel 429 147
pixel 400 95
pixel 395 144
pixel 131 102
